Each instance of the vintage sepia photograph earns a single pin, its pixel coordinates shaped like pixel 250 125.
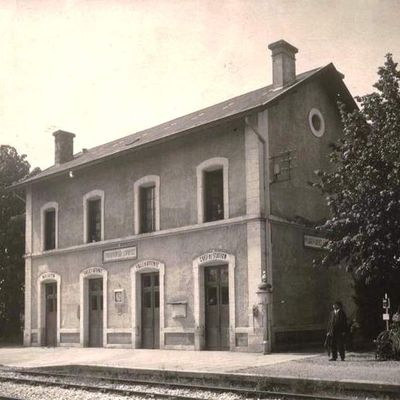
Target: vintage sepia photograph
pixel 200 199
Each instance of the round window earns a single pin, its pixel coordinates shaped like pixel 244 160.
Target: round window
pixel 316 122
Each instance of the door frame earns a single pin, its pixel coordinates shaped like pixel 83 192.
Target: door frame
pixel 152 291
pixel 47 277
pixel 217 285
pixel 212 258
pixel 84 276
pixel 142 267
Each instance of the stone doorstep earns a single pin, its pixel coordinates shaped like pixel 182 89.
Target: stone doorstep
pixel 252 380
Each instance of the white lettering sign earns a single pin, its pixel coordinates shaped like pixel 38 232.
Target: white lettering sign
pixel 385 317
pixel 93 271
pixel 147 264
pixel 315 242
pixel 125 253
pixel 47 275
pixel 213 256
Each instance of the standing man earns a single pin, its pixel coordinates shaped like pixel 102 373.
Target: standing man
pixel 337 330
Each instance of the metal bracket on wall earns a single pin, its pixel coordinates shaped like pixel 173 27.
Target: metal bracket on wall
pixel 281 166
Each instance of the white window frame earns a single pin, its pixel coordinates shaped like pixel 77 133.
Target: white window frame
pixel 48 206
pixel 92 195
pixel 212 164
pixel 146 181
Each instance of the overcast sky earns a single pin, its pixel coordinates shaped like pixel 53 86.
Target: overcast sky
pixel 105 69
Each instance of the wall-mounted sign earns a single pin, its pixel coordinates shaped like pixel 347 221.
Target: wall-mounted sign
pixel 47 275
pixel 147 264
pixel 315 242
pixel 93 271
pixel 121 254
pixel 178 308
pixel 213 256
pixel 119 296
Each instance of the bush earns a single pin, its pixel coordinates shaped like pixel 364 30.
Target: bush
pixel 388 345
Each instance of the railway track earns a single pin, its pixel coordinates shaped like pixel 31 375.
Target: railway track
pixel 9 398
pixel 143 388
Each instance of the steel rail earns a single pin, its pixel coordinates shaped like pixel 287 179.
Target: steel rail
pixel 259 394
pixel 9 398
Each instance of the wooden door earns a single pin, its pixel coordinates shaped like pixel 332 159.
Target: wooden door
pixel 96 312
pixel 51 314
pixel 216 307
pixel 150 311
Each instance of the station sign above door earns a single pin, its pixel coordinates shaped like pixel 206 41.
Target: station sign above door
pixel 120 254
pixel 213 256
pixel 48 275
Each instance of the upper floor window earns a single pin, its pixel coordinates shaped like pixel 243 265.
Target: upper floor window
pixel 214 195
pixel 49 226
pixel 50 229
pixel 147 209
pixel 93 218
pixel 212 190
pixel 147 204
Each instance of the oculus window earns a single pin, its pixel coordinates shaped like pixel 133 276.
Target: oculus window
pixel 316 122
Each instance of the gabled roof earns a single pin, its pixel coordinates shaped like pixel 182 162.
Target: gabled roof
pixel 229 109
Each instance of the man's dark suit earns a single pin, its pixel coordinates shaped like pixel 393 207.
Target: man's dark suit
pixel 337 329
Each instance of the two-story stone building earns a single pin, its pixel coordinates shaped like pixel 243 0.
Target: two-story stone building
pixel 160 239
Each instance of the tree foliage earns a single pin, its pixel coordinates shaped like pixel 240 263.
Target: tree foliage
pixel 13 167
pixel 363 191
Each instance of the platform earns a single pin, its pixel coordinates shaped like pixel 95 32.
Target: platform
pixel 196 361
pixel 359 368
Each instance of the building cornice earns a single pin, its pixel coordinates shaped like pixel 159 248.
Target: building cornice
pixel 119 242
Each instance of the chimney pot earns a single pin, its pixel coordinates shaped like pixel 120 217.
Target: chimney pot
pixel 283 63
pixel 64 146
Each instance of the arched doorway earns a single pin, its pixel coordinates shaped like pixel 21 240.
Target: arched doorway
pixel 214 300
pixel 49 287
pixel 147 278
pixel 93 306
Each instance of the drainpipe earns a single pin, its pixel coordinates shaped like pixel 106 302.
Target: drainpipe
pixel 18 197
pixel 264 287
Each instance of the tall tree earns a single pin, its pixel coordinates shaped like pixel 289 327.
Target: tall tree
pixel 363 194
pixel 13 167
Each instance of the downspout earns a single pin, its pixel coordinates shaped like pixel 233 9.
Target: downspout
pixel 19 197
pixel 268 257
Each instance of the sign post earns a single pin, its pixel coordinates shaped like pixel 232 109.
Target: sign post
pixel 386 306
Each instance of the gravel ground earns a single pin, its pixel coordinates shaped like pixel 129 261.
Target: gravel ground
pixel 26 391
pixel 22 391
pixel 357 367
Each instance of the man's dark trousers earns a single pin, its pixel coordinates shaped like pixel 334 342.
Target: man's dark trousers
pixel 338 340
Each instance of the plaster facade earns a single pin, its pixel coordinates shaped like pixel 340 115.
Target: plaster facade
pixel 268 157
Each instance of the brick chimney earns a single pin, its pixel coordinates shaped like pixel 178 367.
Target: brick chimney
pixel 283 63
pixel 64 146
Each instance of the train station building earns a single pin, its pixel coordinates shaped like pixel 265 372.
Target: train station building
pixel 194 234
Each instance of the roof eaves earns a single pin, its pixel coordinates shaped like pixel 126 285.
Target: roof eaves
pixel 279 93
